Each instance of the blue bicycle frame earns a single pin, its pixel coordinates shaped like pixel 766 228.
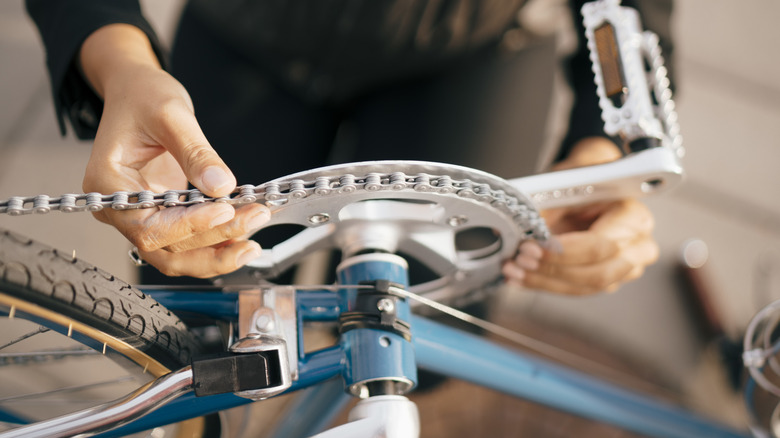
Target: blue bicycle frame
pixel 438 348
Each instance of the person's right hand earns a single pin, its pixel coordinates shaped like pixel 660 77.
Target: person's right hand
pixel 149 139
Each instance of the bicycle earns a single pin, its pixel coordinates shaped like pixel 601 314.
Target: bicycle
pixel 377 214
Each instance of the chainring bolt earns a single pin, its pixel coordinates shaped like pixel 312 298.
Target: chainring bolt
pixel 320 218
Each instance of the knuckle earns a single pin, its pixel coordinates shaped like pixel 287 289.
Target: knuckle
pixel 599 280
pixel 197 154
pixel 602 250
pixel 176 248
pixel 144 242
pixel 548 269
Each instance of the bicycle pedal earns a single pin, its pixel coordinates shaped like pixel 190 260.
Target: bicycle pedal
pixel 256 368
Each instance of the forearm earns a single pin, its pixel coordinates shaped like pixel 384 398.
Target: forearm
pixel 113 51
pixel 64 25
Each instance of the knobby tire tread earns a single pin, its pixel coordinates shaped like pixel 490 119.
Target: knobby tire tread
pixel 44 276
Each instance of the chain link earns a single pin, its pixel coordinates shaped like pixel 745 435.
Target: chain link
pixel 278 193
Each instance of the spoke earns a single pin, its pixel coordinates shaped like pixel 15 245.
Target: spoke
pixel 69 352
pixel 40 330
pixel 8 359
pixel 65 390
pixel 60 401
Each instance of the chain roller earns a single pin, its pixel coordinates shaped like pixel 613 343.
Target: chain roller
pixel 281 192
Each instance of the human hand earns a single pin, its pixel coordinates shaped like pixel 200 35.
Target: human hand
pixel 149 139
pixel 599 246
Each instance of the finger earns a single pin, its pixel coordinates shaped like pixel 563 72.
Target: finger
pixel 247 219
pixel 526 262
pixel 624 221
pixel 531 248
pixel 180 133
pixel 605 276
pixel 597 276
pixel 641 254
pixel 534 280
pixel 512 272
pixel 204 262
pixel 580 248
pixel 168 226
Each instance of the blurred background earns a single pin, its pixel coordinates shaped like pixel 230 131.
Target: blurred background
pixel 728 81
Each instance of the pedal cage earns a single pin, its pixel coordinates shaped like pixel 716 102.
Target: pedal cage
pixel 256 367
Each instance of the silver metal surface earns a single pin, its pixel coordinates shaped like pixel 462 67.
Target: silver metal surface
pixel 636 175
pixel 415 208
pixel 111 415
pixel 255 343
pixel 638 115
pixel 269 312
pixel 387 416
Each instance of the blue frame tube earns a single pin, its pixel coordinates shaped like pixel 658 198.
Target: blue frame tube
pixel 451 352
pixel 457 354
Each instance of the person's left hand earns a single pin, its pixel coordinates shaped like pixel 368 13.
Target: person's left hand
pixel 599 246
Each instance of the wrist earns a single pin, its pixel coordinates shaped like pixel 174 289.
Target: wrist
pixel 112 52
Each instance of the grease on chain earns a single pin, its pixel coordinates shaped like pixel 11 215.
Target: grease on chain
pixel 279 193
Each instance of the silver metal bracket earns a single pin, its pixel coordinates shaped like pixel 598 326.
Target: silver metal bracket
pixel 267 321
pixel 273 347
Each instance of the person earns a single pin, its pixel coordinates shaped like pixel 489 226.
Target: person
pixel 257 90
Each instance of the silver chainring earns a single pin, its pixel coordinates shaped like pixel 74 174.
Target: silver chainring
pixel 422 210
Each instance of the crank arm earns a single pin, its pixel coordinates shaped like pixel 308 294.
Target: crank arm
pixel 638 174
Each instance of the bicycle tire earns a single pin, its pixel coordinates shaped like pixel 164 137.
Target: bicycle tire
pixel 79 300
pixel 88 295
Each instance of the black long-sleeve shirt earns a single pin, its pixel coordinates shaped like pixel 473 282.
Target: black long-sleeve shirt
pixel 357 43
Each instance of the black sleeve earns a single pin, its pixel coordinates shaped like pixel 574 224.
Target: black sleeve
pixel 585 118
pixel 64 25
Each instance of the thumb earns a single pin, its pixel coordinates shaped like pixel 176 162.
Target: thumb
pixel 199 161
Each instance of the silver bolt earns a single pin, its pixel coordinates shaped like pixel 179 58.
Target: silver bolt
pixel 320 218
pixel 385 305
pixel 458 220
pixel 264 322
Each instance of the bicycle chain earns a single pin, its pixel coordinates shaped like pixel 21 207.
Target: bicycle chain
pixel 277 193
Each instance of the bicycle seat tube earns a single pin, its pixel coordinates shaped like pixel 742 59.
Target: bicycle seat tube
pixel 375 332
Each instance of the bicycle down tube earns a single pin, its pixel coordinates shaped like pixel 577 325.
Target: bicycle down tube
pixel 451 352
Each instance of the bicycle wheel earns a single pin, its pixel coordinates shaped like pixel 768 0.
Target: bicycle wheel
pixel 73 336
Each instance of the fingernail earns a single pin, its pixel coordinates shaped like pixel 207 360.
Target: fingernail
pixel 527 263
pixel 215 178
pixel 257 221
pixel 514 272
pixel 248 255
pixel 532 248
pixel 221 218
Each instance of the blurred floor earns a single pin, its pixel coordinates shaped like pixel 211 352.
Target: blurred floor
pixel 729 106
